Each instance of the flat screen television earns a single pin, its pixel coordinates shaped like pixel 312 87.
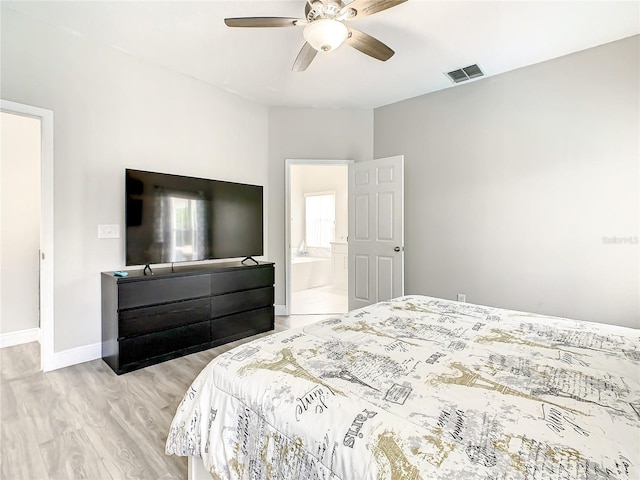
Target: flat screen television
pixel 174 218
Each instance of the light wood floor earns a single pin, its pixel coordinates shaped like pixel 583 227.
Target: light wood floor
pixel 86 422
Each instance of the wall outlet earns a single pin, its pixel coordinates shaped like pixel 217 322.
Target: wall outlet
pixel 108 231
pixel 462 297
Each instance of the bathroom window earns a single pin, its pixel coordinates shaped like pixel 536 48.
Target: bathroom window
pixel 320 219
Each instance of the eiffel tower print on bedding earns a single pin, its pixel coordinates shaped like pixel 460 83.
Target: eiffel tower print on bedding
pixel 420 387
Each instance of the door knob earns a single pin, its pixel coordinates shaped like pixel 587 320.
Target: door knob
pixel 397 249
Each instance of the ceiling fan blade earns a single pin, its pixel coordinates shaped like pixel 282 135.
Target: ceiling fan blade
pixel 262 22
pixel 369 45
pixel 364 8
pixel 304 58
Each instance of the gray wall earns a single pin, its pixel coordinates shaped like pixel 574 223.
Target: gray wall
pixel 515 184
pixel 112 112
pixel 308 133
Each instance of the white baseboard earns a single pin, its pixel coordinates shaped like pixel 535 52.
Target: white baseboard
pixel 280 310
pixel 18 338
pixel 73 356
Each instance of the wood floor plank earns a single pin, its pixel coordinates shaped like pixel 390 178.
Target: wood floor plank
pixel 20 453
pixel 141 379
pixel 146 427
pixel 8 402
pixel 124 456
pixel 19 361
pixel 70 457
pixel 87 407
pixel 37 404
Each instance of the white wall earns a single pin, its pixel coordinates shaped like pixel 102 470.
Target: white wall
pixel 513 182
pixel 308 133
pixel 112 112
pixel 19 222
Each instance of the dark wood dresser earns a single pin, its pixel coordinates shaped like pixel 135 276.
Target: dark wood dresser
pixel 147 319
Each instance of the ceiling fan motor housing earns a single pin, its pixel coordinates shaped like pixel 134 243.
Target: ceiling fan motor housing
pixel 316 10
pixel 325 34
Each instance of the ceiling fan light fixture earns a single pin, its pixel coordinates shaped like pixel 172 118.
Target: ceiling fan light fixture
pixel 325 34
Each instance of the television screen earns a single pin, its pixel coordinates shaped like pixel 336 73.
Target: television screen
pixel 173 218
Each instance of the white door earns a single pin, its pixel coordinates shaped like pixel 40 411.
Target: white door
pixel 376 231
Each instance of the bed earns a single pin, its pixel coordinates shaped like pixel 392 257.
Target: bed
pixel 420 387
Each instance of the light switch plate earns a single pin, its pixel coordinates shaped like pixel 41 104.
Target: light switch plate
pixel 108 231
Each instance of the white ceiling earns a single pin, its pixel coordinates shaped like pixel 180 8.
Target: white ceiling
pixel 429 38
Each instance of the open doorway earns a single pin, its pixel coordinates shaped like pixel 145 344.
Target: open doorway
pixel 27 312
pixel 20 234
pixel 317 221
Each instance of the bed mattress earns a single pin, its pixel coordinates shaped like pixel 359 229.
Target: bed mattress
pixel 419 387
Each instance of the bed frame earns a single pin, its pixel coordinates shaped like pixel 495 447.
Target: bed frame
pixel 196 470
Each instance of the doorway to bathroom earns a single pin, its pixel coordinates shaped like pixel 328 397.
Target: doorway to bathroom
pixel 317 221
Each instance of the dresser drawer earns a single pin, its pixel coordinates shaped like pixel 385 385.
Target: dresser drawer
pixel 241 301
pixel 162 290
pixel 145 347
pixel 237 280
pixel 145 320
pixel 241 324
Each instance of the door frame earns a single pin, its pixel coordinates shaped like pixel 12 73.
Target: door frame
pixel 287 224
pixel 46 225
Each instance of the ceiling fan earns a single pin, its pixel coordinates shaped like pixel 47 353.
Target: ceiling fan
pixel 325 28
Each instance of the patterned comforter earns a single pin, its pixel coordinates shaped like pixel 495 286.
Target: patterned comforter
pixel 420 387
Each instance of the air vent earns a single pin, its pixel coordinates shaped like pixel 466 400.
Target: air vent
pixel 466 73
